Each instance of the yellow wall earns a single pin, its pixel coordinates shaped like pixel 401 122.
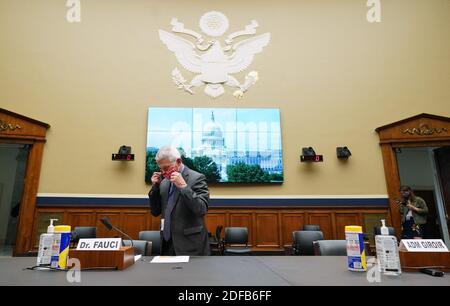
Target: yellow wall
pixel 334 76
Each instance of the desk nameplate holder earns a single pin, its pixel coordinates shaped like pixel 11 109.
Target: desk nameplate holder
pixel 116 259
pixel 424 253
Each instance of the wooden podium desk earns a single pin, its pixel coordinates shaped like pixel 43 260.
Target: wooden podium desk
pixel 118 259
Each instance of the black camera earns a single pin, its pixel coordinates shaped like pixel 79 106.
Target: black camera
pixel 308 152
pixel 124 150
pixel 124 154
pixel 343 152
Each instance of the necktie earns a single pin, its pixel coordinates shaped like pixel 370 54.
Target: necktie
pixel 168 212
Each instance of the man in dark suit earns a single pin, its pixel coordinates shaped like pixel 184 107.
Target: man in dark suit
pixel 180 196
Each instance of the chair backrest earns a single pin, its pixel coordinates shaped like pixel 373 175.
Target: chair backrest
pixel 236 235
pixel 330 247
pixel 218 232
pixel 154 237
pixel 377 230
pixel 141 247
pixel 84 232
pixel 303 241
pixel 311 227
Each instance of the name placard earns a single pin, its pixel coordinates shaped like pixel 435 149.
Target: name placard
pixel 423 245
pixel 99 244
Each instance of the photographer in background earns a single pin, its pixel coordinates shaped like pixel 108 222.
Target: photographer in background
pixel 414 212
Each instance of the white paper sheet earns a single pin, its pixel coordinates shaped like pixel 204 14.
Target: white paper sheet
pixel 137 257
pixel 170 259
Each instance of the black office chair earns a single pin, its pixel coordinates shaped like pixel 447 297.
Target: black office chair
pixel 215 242
pixel 219 232
pixel 236 236
pixel 311 227
pixel 155 238
pixel 82 232
pixel 141 247
pixel 377 230
pixel 330 248
pixel 303 242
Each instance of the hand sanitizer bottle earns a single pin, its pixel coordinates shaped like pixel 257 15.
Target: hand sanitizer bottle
pixel 387 252
pixel 45 246
pixel 384 230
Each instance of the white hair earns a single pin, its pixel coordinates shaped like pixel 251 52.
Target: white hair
pixel 168 152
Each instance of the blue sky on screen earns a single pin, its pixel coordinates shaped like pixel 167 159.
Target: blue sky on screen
pixel 243 129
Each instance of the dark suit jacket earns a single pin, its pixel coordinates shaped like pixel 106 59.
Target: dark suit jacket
pixel 189 234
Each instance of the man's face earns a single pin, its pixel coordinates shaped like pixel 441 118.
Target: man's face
pixel 405 193
pixel 168 167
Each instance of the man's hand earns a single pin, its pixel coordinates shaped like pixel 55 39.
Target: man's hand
pixel 156 178
pixel 177 179
pixel 413 208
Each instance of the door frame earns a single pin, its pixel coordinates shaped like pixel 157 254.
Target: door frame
pixel 440 200
pixel 422 130
pixel 19 129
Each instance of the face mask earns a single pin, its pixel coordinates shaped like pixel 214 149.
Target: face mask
pixel 169 172
pixel 405 194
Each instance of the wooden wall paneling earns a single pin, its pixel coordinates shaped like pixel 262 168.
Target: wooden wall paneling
pixel 291 222
pixel 361 221
pixel 155 222
pixel 266 232
pixel 344 219
pixel 228 218
pixel 215 219
pixel 42 221
pixel 280 230
pixel 134 221
pixel 333 225
pixel 80 217
pixel 269 228
pixel 324 220
pixel 151 222
pixel 243 219
pixel 114 217
pixel 253 229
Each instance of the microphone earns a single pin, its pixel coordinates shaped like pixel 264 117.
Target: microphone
pixel 106 223
pixel 109 226
pixel 74 237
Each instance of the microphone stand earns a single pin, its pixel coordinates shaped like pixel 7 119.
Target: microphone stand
pixel 124 234
pixel 109 226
